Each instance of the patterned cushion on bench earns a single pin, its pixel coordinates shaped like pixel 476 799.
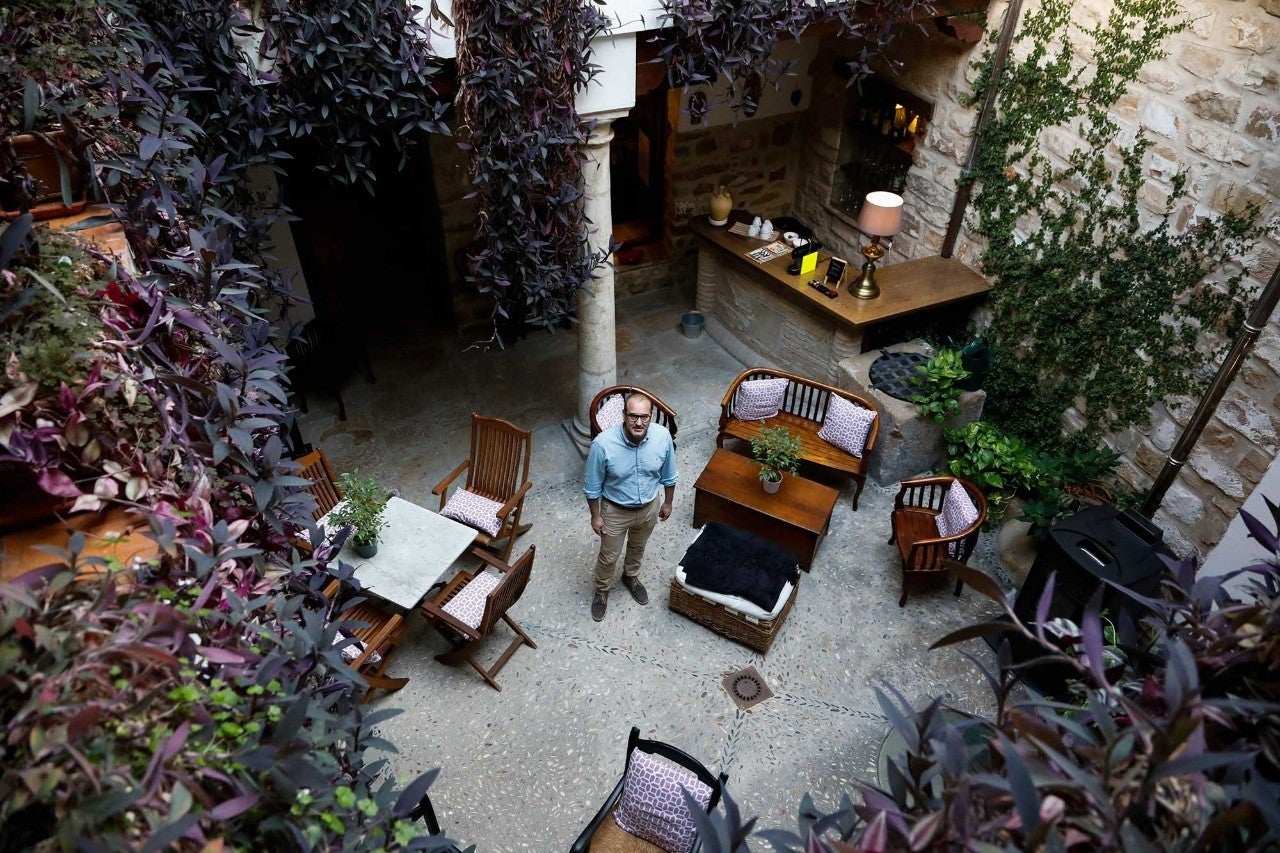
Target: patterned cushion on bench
pixel 758 399
pixel 846 425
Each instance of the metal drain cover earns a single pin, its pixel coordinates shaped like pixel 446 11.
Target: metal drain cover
pixel 892 373
pixel 746 688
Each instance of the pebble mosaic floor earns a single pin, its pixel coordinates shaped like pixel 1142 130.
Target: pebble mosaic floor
pixel 524 769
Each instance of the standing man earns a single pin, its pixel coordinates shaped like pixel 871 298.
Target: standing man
pixel 625 466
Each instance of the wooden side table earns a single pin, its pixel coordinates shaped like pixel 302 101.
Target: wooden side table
pixel 796 517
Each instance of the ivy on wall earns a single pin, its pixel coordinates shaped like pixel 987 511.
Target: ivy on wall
pixel 1097 305
pixel 520 64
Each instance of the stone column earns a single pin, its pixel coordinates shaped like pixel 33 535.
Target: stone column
pixel 597 343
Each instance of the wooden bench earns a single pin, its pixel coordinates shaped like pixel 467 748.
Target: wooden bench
pixel 803 407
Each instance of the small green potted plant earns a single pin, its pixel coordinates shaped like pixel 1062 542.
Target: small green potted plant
pixel 362 507
pixel 778 452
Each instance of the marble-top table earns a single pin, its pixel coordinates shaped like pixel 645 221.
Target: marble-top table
pixel 415 548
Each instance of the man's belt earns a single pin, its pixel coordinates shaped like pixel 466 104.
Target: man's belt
pixel 625 506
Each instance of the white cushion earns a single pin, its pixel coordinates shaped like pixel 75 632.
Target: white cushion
pixel 475 510
pixel 758 399
pixel 467 605
pixel 846 425
pixel 958 514
pixel 610 412
pixel 739 605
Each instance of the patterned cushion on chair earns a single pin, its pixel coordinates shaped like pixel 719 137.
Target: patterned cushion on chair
pixel 958 514
pixel 758 399
pixel 610 412
pixel 475 510
pixel 846 425
pixel 652 807
pixel 467 606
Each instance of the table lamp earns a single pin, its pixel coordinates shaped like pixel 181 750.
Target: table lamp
pixel 881 217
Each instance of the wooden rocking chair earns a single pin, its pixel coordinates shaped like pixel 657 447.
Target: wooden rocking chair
pixel 474 597
pixel 381 633
pixel 498 469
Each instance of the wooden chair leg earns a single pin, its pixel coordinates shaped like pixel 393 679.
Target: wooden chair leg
pixel 959 585
pixel 377 682
pixel 861 480
pixel 459 652
pixel 514 627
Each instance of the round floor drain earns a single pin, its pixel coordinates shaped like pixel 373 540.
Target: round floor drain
pixel 747 687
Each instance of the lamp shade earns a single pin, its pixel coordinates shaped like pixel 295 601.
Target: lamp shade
pixel 881 214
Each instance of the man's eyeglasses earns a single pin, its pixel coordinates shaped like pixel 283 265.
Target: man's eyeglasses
pixel 639 418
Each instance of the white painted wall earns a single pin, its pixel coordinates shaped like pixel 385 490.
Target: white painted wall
pixel 1236 549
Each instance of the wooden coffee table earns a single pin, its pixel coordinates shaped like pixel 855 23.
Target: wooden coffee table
pixel 796 517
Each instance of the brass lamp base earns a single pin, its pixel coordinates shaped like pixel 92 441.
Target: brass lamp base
pixel 866 287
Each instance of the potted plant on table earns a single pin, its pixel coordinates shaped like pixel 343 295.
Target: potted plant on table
pixel 362 507
pixel 778 452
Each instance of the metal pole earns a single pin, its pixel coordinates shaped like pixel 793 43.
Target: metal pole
pixel 988 107
pixel 1253 327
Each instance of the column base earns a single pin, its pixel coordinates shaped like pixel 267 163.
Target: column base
pixel 578 437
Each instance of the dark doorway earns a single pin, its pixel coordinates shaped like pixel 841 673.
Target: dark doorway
pixel 375 265
pixel 637 160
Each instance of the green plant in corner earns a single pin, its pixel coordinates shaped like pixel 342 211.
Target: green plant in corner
pixel 1104 302
pixel 362 507
pixel 939 383
pixel 996 462
pixel 777 451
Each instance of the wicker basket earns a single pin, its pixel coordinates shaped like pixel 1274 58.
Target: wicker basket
pixel 759 635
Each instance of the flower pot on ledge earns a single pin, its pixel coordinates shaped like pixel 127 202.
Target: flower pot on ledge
pixel 48 158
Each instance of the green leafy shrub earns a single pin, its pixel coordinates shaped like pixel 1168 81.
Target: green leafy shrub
pixel 938 381
pixel 997 463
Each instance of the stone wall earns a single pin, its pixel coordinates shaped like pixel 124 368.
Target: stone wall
pixel 756 159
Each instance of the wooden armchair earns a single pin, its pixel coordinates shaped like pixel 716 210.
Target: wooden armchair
pixel 379 629
pixel 604 835
pixel 662 413
pixel 924 552
pixel 497 470
pixel 324 486
pixel 468 608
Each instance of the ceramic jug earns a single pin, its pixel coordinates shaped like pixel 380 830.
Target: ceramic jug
pixel 721 204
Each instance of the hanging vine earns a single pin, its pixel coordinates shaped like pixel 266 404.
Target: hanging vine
pixel 520 64
pixel 707 40
pixel 1097 305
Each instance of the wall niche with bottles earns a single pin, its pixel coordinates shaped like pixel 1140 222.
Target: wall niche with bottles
pixel 882 126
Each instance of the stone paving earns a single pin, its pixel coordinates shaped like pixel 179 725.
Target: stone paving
pixel 527 767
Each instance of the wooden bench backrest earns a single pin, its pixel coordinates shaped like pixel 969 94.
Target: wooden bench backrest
pixel 804 398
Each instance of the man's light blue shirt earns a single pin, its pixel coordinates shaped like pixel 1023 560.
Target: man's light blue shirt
pixel 629 474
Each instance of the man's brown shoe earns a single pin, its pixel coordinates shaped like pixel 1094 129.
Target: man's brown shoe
pixel 638 592
pixel 598 605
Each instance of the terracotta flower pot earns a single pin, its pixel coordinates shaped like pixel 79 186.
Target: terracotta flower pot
pixel 48 158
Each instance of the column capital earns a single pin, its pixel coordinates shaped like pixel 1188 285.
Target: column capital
pixel 602 131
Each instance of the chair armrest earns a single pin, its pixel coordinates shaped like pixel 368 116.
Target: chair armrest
pixel 429 610
pixel 514 500
pixel 583 844
pixel 378 640
pixel 449 478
